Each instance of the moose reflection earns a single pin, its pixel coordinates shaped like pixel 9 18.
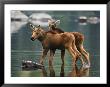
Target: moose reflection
pixel 77 71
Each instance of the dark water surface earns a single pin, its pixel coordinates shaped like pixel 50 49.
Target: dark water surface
pixel 22 48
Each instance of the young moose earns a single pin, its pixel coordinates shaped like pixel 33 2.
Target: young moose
pixel 51 41
pixel 79 39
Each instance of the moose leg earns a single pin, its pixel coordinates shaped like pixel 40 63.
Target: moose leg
pixel 78 54
pixel 76 50
pixel 43 56
pixel 44 72
pixel 52 72
pixel 62 56
pixel 62 73
pixel 78 57
pixel 52 52
pixel 73 54
pixel 84 53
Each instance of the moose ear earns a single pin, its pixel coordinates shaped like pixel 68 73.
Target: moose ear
pixel 38 26
pixel 49 21
pixel 57 22
pixel 32 26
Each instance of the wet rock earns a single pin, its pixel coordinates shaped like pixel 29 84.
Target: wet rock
pixel 30 65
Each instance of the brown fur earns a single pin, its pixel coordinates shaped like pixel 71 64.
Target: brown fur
pixel 79 39
pixel 52 42
pixel 57 30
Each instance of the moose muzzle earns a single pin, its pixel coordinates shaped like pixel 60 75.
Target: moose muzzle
pixel 32 39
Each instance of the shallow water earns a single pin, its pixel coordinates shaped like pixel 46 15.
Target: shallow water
pixel 57 67
pixel 22 48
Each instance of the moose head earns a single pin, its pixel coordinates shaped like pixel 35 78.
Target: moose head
pixel 36 31
pixel 53 23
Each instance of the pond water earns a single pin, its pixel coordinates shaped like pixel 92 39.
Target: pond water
pixel 22 48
